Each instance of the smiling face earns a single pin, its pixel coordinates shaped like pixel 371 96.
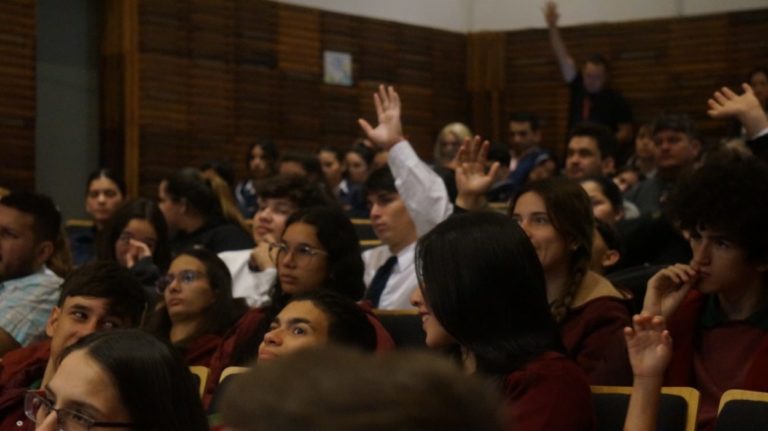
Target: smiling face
pixel 298 271
pixel 299 325
pixel 80 316
pixel 81 384
pixel 190 293
pixel 102 199
pixel 437 337
pixel 531 213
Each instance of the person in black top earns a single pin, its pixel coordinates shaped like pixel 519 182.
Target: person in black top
pixel 591 99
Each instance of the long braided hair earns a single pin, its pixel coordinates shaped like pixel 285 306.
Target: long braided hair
pixel 570 212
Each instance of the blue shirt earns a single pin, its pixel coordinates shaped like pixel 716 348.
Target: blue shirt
pixel 26 304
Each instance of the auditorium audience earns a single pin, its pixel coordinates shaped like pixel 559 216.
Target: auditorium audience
pixel 29 227
pixel 482 294
pixel 253 270
pixel 97 296
pixel 104 193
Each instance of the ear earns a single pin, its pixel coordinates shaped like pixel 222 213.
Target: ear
pixel 610 258
pixel 53 321
pixel 43 252
pixel 609 165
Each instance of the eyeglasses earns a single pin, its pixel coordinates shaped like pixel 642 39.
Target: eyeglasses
pixel 302 253
pixel 185 277
pixel 37 407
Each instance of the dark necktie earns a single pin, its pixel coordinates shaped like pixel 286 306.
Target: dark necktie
pixel 379 281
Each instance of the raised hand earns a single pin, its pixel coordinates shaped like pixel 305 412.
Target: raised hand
pixel 137 250
pixel 667 288
pixel 746 108
pixel 472 180
pixel 389 131
pixel 649 345
pixel 551 16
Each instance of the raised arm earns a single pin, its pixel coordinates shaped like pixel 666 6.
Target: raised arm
pixel 564 60
pixel 420 188
pixel 745 108
pixel 650 349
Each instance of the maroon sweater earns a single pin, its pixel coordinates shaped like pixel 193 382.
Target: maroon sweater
pixel 548 393
pixel 714 355
pixel 19 370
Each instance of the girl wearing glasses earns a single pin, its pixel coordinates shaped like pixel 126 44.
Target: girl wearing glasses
pixel 119 380
pixel 197 308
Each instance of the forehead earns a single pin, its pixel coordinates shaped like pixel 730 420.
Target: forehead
pixel 670 134
pixel 102 183
pixel 593 69
pixel 186 261
pixel 592 188
pixel 583 143
pixel 16 219
pixel 519 126
pixel 300 232
pixel 276 202
pixel 79 379
pixel 305 310
pixel 530 202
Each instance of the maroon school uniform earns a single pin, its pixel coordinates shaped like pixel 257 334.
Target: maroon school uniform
pixel 714 355
pixel 20 370
pixel 548 393
pixel 593 332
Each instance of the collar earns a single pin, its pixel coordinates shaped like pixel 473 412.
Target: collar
pixel 595 286
pixel 713 315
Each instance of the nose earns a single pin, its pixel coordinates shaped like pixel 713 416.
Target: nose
pixel 50 423
pixel 174 286
pixel 101 197
pixel 273 338
pixel 525 225
pixel 417 300
pixel 702 253
pixel 375 211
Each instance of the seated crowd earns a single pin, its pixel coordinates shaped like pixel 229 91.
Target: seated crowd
pixel 641 267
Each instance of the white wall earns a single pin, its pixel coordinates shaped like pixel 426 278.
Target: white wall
pixel 496 15
pixel 452 15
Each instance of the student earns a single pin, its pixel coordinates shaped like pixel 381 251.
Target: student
pixel 557 217
pixel 318 249
pixel 137 239
pixel 607 202
pixel 260 164
pixel 121 378
pixel 253 269
pixel 359 161
pixel 104 193
pixel 482 291
pixel 197 307
pixel 317 318
pixel 716 306
pixel 406 201
pixel 194 215
pixel 95 297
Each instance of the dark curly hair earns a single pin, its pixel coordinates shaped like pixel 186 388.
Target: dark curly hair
pixel 727 194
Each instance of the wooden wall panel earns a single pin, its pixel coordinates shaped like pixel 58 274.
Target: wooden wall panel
pixel 18 30
pixel 666 64
pixel 217 75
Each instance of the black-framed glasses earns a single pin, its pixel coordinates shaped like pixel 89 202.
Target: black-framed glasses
pixel 302 253
pixel 185 277
pixel 37 407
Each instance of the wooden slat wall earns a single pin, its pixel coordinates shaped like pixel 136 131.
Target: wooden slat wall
pixel 215 75
pixel 672 64
pixel 18 29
